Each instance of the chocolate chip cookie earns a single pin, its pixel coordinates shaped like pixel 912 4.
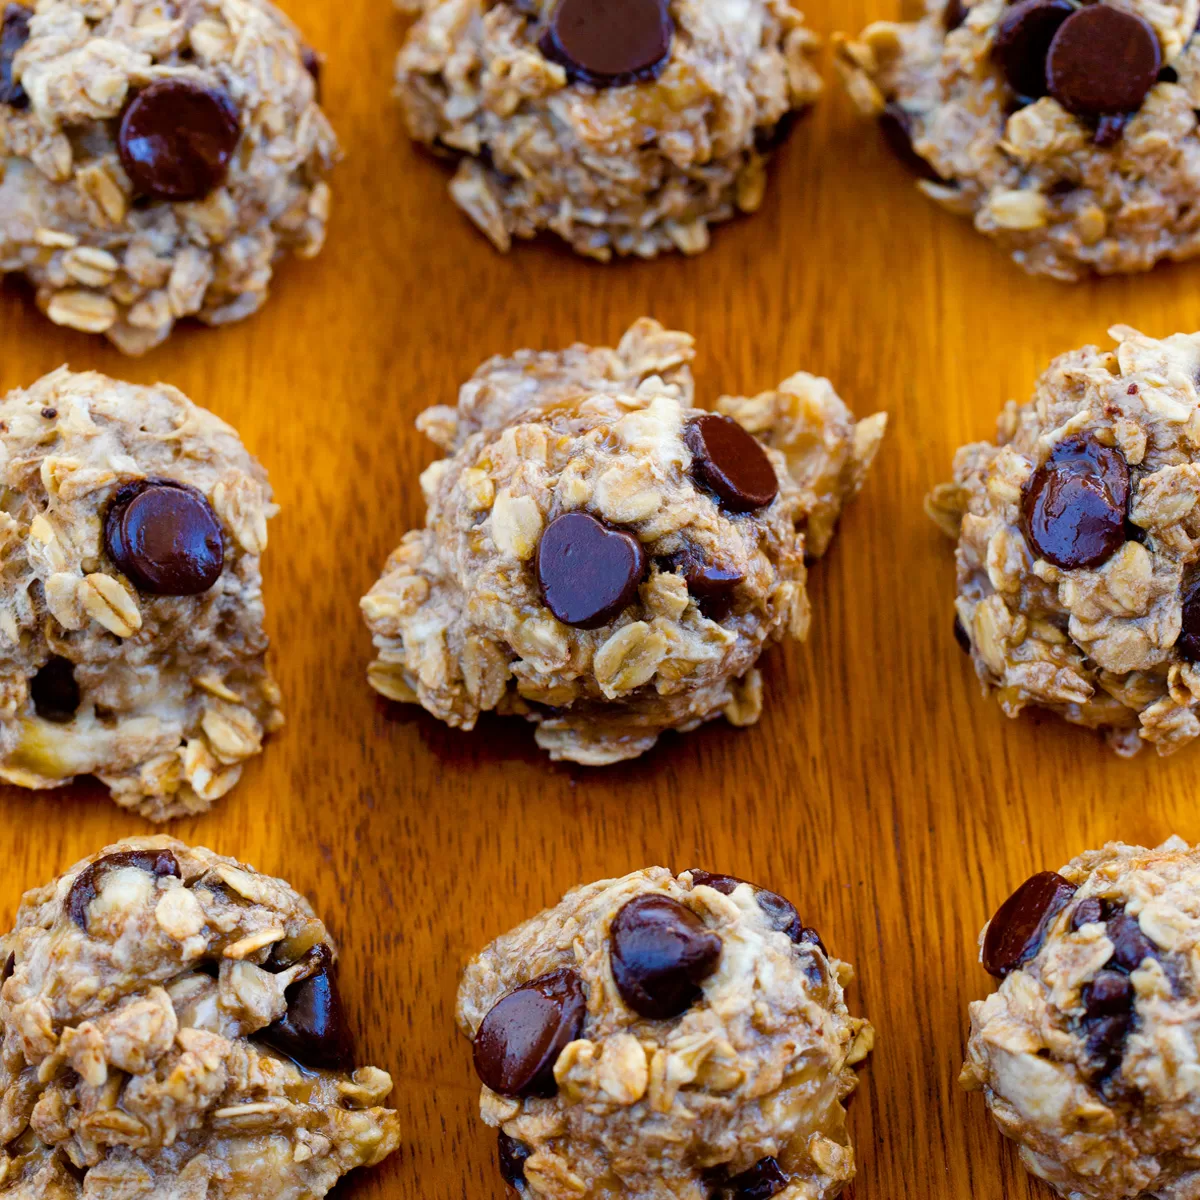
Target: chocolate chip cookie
pixel 157 163
pixel 131 611
pixel 1086 1054
pixel 172 1027
pixel 627 127
pixel 664 1035
pixel 1065 130
pixel 605 559
pixel 1079 544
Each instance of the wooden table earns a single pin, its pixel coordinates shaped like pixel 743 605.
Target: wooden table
pixel 880 791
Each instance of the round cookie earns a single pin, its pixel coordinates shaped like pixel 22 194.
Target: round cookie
pixel 172 1027
pixel 1066 131
pixel 131 612
pixel 665 1035
pixel 1086 1054
pixel 157 163
pixel 625 128
pixel 605 559
pixel 1078 542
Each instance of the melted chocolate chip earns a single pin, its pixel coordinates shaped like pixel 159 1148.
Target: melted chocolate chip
pixel 780 911
pixel 1109 994
pixel 1105 1045
pixel 712 587
pixel 961 636
pixel 159 863
pixel 588 572
pixel 1017 930
pixel 10 965
pixel 511 1155
pixel 1087 912
pixel 1189 635
pixel 762 1181
pixel 312 64
pixel 953 15
pixel 177 138
pixel 520 1039
pixel 1023 40
pixel 314 1031
pixel 1103 60
pixel 660 953
pixel 896 126
pixel 609 43
pixel 729 462
pixel 165 537
pixel 14 33
pixel 1110 129
pixel 810 937
pixel 54 692
pixel 1131 947
pixel 1074 506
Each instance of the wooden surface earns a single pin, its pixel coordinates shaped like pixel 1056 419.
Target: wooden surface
pixel 880 792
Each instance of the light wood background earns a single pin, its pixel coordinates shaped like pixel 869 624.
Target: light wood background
pixel 880 792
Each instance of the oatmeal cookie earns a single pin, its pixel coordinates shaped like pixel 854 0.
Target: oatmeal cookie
pixel 663 1035
pixel 1087 1053
pixel 1066 130
pixel 605 559
pixel 157 159
pixel 131 613
pixel 1078 544
pixel 625 128
pixel 172 1027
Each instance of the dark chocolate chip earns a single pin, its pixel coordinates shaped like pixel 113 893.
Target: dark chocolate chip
pixel 1074 505
pixel 1023 40
pixel 54 691
pixel 177 138
pixel 768 138
pixel 314 1031
pixel 731 463
pixel 1130 945
pixel 896 126
pixel 660 953
pixel 961 636
pixel 49 413
pixel 1105 1044
pixel 780 911
pixel 1109 994
pixel 587 571
pixel 14 33
pixel 312 64
pixel 1189 634
pixel 165 537
pixel 1168 75
pixel 10 965
pixel 1103 60
pixel 609 43
pixel 764 1180
pixel 810 937
pixel 1087 912
pixel 1110 128
pixel 520 1039
pixel 953 15
pixel 1017 930
pixel 712 587
pixel 512 1155
pixel 159 863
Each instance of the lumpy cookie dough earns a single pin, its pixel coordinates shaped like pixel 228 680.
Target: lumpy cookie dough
pixel 604 558
pixel 172 1027
pixel 664 1035
pixel 1079 544
pixel 1087 1053
pixel 131 612
pixel 1065 130
pixel 157 160
pixel 627 127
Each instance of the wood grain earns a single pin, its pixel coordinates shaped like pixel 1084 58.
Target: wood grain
pixel 880 791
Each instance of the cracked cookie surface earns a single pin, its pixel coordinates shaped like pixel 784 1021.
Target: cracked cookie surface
pixel 1086 1054
pixel 1069 136
pixel 553 136
pixel 660 1035
pixel 131 613
pixel 157 160
pixel 172 1027
pixel 693 528
pixel 1078 541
